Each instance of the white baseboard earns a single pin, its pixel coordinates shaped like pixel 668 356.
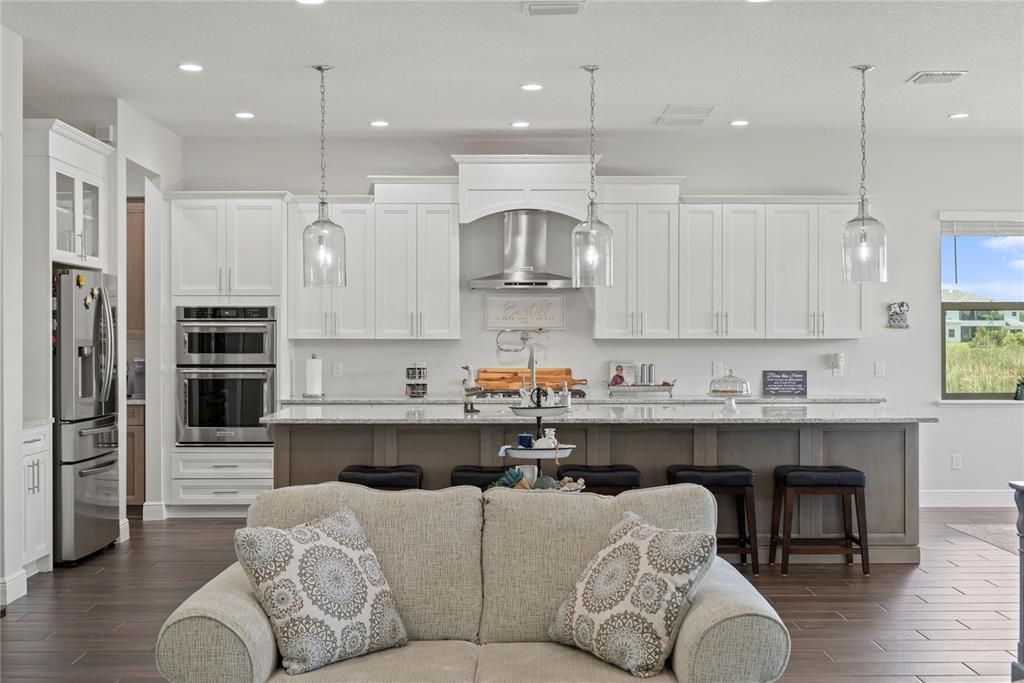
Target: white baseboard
pixel 967 498
pixel 124 532
pixel 206 511
pixel 13 586
pixel 153 512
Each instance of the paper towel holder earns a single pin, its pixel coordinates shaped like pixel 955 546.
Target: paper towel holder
pixel 318 370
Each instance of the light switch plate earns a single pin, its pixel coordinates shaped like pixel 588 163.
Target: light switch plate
pixel 337 368
pixel 879 368
pixel 717 368
pixel 956 462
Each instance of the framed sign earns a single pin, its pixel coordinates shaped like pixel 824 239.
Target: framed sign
pixel 525 312
pixel 784 383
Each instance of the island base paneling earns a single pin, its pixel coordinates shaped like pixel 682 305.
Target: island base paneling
pixel 886 453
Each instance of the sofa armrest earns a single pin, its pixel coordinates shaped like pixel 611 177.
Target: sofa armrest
pixel 220 633
pixel 731 633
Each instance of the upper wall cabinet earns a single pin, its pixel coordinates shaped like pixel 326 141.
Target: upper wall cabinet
pixel 66 190
pixel 842 306
pixel 791 261
pixel 333 312
pixel 227 245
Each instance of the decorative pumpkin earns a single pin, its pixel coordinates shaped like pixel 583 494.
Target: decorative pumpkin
pixel 545 482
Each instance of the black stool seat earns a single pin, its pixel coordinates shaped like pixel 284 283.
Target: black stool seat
pixel 711 475
pixel 604 476
pixel 811 476
pixel 476 475
pixel 394 477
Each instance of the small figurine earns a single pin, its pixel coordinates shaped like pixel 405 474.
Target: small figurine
pixel 470 390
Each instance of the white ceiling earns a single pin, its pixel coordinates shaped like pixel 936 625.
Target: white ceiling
pixel 453 68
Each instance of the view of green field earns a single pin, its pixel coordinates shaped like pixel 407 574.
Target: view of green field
pixel 991 363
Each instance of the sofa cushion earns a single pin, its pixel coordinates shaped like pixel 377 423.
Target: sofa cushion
pixel 536 543
pixel 322 589
pixel 423 661
pixel 548 663
pixel 629 602
pixel 427 542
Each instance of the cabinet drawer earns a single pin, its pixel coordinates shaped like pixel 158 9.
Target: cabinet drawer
pixel 204 464
pixel 218 491
pixel 136 416
pixel 35 440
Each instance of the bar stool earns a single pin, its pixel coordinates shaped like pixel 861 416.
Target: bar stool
pixel 608 479
pixel 727 480
pixel 386 478
pixel 480 476
pixel 804 480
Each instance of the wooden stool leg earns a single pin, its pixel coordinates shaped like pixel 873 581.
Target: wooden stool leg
pixel 787 534
pixel 773 542
pixel 862 532
pixel 748 496
pixel 847 501
pixel 741 531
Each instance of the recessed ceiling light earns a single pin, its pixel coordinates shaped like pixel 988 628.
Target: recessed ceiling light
pixel 311 2
pixel 191 68
pixel 379 124
pixel 739 123
pixel 244 115
pixel 520 124
pixel 758 1
pixel 531 87
pixel 959 115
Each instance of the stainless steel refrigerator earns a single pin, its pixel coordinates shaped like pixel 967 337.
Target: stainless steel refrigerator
pixel 86 517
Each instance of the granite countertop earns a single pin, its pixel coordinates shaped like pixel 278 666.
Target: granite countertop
pixel 596 414
pixel 676 400
pixel 137 401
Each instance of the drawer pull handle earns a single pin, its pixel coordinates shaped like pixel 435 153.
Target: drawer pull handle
pixel 35 440
pixel 225 492
pixel 226 465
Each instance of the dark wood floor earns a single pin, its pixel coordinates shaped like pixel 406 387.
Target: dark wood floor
pixel 951 619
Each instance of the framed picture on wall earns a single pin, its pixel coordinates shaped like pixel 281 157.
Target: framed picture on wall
pixel 623 373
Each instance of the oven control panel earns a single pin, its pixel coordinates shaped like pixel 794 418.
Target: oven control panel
pixel 226 313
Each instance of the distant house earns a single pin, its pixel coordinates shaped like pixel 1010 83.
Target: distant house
pixel 962 325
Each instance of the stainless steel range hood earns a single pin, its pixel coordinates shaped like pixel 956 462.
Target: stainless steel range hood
pixel 526 255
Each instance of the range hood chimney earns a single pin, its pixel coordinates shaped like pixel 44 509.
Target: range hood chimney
pixel 526 255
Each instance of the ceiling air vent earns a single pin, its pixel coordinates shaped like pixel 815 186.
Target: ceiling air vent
pixel 935 77
pixel 552 8
pixel 680 120
pixel 684 115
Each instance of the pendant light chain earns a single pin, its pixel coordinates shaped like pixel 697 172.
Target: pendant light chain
pixel 592 194
pixel 323 134
pixel 863 133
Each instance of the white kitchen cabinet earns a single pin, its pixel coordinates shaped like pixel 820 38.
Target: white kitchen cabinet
pixel 700 270
pixel 333 312
pixel 643 301
pixel 416 271
pixel 38 492
pixel 66 189
pixel 226 246
pixel 791 271
pixel 841 305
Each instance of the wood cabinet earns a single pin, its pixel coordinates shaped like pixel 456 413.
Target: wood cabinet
pixel 135 271
pixel 38 492
pixel 333 312
pixel 227 246
pixel 135 456
pixel 416 271
pixel 643 301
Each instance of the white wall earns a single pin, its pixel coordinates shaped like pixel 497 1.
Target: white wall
pixel 910 180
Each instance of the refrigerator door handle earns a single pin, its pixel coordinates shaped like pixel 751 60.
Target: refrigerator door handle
pixel 102 467
pixel 98 430
pixel 108 349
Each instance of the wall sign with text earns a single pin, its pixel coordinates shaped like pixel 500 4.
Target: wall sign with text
pixel 525 312
pixel 784 383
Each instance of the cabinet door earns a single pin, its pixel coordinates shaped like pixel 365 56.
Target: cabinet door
pixel 791 250
pixel 841 305
pixel 352 305
pixel 743 284
pixel 253 247
pixel 395 270
pixel 657 270
pixel 93 220
pixel 437 271
pixel 700 271
pixel 615 307
pixel 309 308
pixel 37 520
pixel 65 219
pixel 135 465
pixel 197 246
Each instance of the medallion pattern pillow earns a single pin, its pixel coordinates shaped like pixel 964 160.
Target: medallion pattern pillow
pixel 629 602
pixel 323 590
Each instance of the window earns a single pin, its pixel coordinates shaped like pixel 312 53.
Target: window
pixel 982 307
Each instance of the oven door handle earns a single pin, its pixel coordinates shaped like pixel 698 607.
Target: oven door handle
pixel 227 326
pixel 224 373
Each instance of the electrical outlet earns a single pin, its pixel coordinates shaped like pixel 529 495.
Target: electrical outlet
pixel 879 368
pixel 337 368
pixel 956 462
pixel 717 368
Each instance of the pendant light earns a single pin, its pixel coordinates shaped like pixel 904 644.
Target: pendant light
pixel 864 258
pixel 592 239
pixel 323 240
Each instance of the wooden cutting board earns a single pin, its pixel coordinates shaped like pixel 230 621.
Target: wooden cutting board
pixel 508 379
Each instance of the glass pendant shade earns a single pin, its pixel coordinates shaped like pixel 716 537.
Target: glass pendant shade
pixel 323 252
pixel 864 257
pixel 592 252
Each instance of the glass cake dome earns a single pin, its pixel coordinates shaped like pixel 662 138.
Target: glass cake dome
pixel 729 385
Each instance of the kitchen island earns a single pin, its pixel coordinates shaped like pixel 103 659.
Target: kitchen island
pixel 313 443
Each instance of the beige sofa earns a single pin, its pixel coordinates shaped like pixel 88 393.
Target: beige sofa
pixel 477 578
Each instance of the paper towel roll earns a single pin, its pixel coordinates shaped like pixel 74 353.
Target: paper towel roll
pixel 314 376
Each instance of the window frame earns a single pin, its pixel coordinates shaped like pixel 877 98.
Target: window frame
pixel 971 306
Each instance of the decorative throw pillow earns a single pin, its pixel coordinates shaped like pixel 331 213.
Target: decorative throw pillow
pixel 629 602
pixel 323 590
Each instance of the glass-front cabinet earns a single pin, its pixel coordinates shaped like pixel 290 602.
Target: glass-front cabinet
pixel 79 220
